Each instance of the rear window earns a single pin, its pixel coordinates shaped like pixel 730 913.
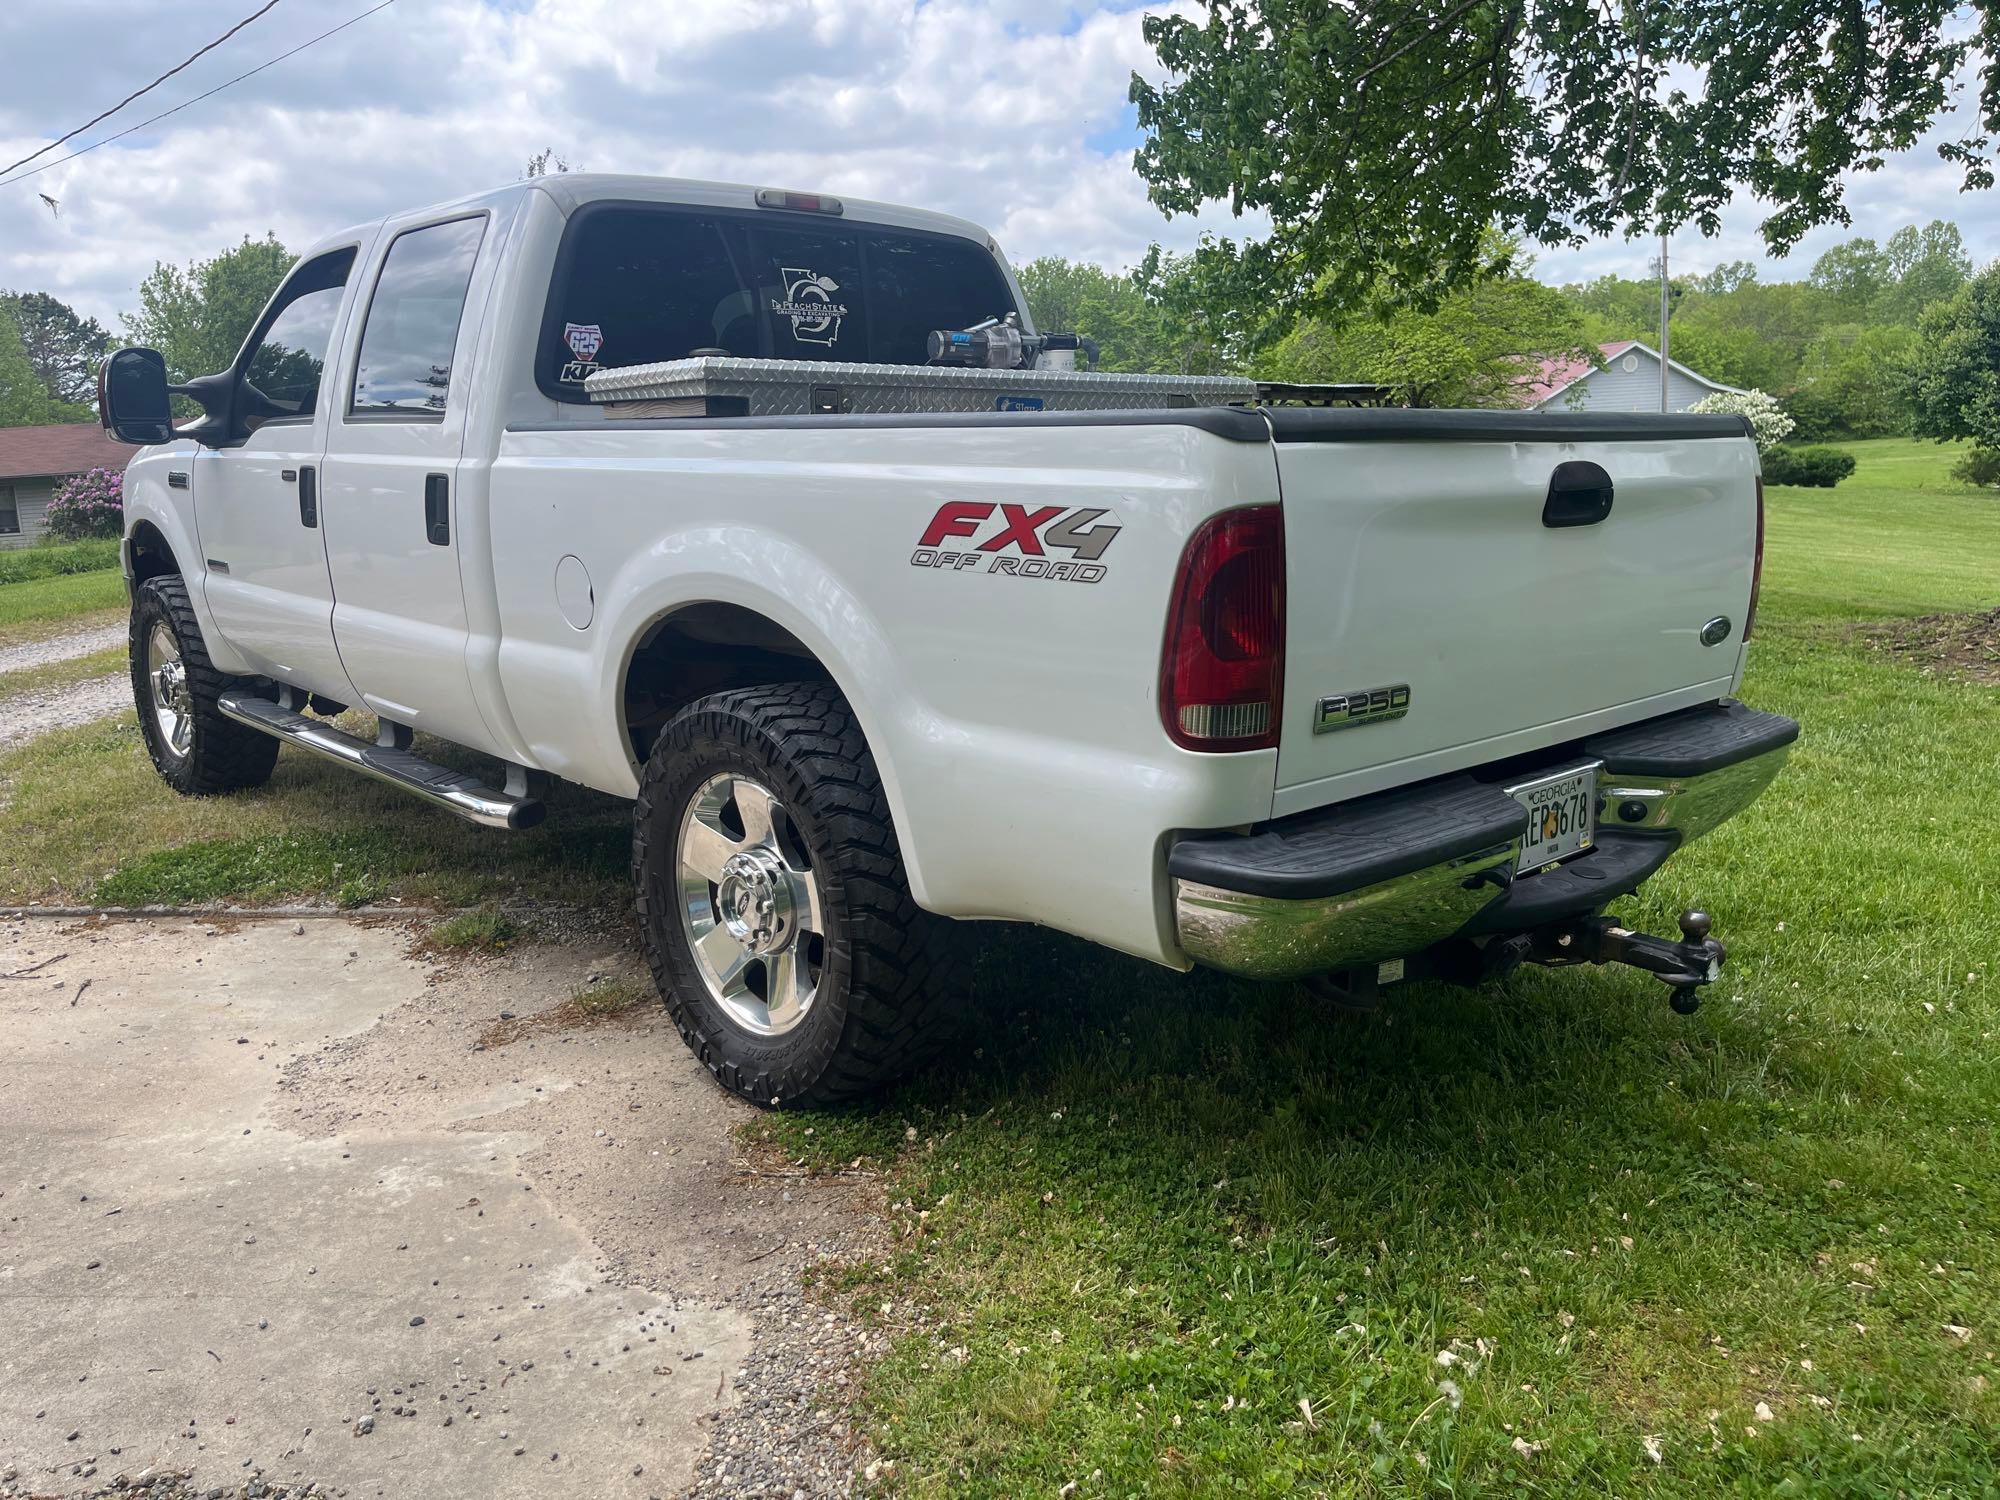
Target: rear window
pixel 637 285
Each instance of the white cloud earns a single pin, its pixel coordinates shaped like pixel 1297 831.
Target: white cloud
pixel 1011 113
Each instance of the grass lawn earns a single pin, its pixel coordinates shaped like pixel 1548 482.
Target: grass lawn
pixel 1165 1235
pixel 42 607
pixel 1198 1237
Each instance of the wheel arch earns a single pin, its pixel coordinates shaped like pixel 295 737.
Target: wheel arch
pixel 148 554
pixel 748 635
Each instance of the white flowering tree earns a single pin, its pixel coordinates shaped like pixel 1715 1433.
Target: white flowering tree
pixel 1769 426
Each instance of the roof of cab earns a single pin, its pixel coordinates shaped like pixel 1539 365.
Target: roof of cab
pixel 572 190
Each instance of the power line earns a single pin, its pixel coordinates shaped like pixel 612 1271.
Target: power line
pixel 137 92
pixel 152 119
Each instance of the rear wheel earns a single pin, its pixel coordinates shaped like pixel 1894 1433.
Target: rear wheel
pixel 197 751
pixel 772 899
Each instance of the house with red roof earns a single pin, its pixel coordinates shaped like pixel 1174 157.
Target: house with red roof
pixel 34 460
pixel 1628 380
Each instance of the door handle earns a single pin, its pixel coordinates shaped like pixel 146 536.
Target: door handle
pixel 308 497
pixel 1579 495
pixel 437 509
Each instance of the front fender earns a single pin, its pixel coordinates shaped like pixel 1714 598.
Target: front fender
pixel 149 500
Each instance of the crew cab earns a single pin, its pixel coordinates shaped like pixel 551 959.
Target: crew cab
pixel 1294 690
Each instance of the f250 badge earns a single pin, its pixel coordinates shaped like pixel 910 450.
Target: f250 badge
pixel 1014 540
pixel 1371 706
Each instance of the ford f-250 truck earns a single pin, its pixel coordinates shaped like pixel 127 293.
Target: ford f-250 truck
pixel 1286 689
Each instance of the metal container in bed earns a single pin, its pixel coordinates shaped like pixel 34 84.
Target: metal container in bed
pixel 715 386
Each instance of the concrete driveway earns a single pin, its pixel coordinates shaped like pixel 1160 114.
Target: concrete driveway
pixel 281 1205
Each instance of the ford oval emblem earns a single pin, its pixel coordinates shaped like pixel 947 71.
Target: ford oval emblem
pixel 1716 631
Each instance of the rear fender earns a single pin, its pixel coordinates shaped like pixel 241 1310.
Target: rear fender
pixel 794 590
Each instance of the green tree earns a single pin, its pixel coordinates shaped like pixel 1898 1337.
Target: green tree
pixel 64 348
pixel 198 315
pixel 1853 275
pixel 1382 140
pixel 1484 344
pixel 1853 383
pixel 1928 265
pixel 24 400
pixel 1730 276
pixel 1954 387
pixel 1074 296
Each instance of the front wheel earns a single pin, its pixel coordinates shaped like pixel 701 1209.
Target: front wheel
pixel 772 900
pixel 196 749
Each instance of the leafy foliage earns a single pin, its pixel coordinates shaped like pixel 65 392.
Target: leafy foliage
pixel 1769 426
pixel 1955 388
pixel 1809 468
pixel 54 559
pixel 64 348
pixel 24 400
pixel 88 505
pixel 198 315
pixel 1484 344
pixel 1980 467
pixel 1836 347
pixel 1381 141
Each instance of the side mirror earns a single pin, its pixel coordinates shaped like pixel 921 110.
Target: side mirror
pixel 132 398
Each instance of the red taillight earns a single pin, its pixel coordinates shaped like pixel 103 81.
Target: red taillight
pixel 1756 564
pixel 1223 667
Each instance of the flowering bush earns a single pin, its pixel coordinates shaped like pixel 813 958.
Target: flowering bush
pixel 88 505
pixel 1769 426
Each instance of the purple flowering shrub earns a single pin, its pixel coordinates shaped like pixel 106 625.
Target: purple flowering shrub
pixel 88 505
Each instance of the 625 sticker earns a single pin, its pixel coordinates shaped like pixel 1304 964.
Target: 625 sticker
pixel 1016 541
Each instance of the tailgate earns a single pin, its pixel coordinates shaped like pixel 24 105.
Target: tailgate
pixel 1418 558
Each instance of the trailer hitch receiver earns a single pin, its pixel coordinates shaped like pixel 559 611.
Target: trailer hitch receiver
pixel 1683 967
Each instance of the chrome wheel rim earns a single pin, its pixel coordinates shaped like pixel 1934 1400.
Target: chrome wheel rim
pixel 750 904
pixel 173 704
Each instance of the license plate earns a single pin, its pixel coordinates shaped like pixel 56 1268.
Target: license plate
pixel 1562 816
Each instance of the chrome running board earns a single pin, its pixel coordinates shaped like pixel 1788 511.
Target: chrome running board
pixel 468 796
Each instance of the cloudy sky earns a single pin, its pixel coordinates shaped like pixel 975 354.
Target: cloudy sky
pixel 1010 112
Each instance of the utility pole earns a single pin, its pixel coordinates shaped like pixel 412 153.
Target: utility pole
pixel 1664 406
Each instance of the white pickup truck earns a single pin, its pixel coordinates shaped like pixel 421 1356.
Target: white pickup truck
pixel 1288 689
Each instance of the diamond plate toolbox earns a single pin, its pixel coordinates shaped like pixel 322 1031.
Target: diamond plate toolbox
pixel 715 386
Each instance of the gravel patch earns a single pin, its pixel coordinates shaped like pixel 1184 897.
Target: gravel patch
pixel 61 648
pixel 34 714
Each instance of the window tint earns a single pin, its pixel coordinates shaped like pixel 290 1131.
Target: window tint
pixel 637 285
pixel 407 343
pixel 920 284
pixel 641 286
pixel 285 367
pixel 810 293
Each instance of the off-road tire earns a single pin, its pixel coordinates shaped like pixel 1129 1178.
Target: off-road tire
pixel 222 755
pixel 890 970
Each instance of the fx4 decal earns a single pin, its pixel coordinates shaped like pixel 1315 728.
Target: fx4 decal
pixel 1016 540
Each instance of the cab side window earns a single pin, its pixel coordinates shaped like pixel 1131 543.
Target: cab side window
pixel 282 375
pixel 404 367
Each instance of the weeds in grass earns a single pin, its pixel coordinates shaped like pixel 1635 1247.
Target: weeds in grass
pixel 489 930
pixel 57 559
pixel 591 1004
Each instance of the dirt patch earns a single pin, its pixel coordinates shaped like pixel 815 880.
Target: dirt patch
pixel 1965 647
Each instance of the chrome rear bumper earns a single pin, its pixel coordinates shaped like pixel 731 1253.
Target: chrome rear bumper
pixel 1387 877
